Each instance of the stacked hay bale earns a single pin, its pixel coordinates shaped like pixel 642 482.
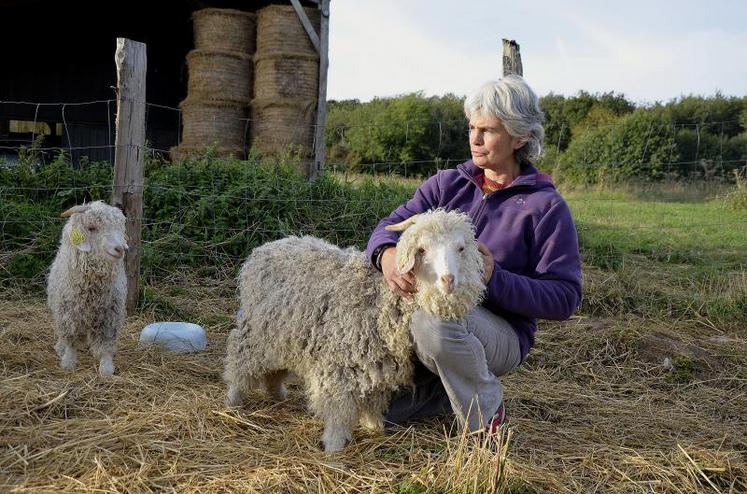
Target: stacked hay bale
pixel 286 81
pixel 215 112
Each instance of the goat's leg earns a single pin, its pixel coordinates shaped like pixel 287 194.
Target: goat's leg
pixel 68 354
pixel 340 415
pixel 274 384
pixel 239 381
pixel 240 377
pixel 372 420
pixel 103 347
pixel 338 410
pixel 372 411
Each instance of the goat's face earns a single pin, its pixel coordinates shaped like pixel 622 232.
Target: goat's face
pixel 98 229
pixel 440 249
pixel 438 261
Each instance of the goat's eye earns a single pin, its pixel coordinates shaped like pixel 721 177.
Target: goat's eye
pixel 92 228
pixel 461 249
pixel 421 250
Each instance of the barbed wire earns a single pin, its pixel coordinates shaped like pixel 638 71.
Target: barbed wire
pixel 460 123
pixel 147 222
pixel 253 229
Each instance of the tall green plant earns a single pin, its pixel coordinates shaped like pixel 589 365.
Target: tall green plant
pixel 638 145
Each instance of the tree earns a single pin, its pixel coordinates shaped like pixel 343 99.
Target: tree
pixel 639 145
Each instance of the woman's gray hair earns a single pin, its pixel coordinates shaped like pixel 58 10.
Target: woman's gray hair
pixel 513 102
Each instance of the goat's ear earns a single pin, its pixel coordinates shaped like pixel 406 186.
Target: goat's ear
pixel 406 259
pixel 75 210
pixel 84 247
pixel 402 225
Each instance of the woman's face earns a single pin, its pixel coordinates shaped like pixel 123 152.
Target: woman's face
pixel 491 145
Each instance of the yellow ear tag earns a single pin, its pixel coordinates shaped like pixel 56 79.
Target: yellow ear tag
pixel 77 237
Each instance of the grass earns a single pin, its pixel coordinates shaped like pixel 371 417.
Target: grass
pixel 663 253
pixel 704 234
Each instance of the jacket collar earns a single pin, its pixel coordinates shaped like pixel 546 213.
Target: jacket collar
pixel 529 175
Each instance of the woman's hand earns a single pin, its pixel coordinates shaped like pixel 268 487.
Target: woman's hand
pixel 401 284
pixel 487 258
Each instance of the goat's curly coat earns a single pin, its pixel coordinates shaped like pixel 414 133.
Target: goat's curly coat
pixel 327 315
pixel 86 287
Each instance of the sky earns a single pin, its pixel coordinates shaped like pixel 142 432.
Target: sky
pixel 654 50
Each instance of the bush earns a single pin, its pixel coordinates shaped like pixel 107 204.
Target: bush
pixel 638 145
pixel 737 198
pixel 405 134
pixel 202 213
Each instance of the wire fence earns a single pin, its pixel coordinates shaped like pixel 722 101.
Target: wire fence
pixel 208 216
pixel 86 130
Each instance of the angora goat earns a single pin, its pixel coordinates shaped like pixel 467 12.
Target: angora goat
pixel 326 315
pixel 87 285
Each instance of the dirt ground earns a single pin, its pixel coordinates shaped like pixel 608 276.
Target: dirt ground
pixel 602 405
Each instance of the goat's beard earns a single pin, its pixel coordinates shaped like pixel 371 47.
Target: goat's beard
pixel 454 305
pixel 94 263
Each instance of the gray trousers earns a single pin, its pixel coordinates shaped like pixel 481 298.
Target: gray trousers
pixel 458 369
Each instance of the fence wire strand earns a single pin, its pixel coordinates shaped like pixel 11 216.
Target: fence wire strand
pixel 214 241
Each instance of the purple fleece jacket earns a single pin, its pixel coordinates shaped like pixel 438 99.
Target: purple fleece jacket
pixel 529 229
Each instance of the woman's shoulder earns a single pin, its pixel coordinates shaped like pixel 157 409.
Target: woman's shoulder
pixel 446 178
pixel 544 199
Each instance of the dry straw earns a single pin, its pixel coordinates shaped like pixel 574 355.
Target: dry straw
pixel 220 124
pixel 160 425
pixel 287 76
pixel 219 76
pixel 280 31
pixel 279 125
pixel 224 30
pixel 592 410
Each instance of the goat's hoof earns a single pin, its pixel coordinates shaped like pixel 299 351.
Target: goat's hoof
pixel 335 445
pixel 106 370
pixel 233 398
pixel 68 364
pixel 281 393
pixel 372 424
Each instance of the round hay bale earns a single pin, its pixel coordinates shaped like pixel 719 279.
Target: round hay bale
pixel 286 79
pixel 178 153
pixel 286 75
pixel 225 76
pixel 279 126
pixel 226 30
pixel 220 124
pixel 279 30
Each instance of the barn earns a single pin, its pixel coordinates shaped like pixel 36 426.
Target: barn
pixel 226 74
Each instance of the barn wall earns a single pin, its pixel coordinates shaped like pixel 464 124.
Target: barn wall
pixel 64 52
pixel 54 52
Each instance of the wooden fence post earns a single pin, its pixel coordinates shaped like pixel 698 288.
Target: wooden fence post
pixel 511 58
pixel 321 108
pixel 127 190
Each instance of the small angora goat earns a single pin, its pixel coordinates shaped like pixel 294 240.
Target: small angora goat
pixel 326 315
pixel 87 285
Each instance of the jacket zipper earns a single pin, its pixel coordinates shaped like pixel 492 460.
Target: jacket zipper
pixel 485 197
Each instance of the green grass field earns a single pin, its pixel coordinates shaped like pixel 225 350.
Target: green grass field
pixel 669 254
pixel 706 234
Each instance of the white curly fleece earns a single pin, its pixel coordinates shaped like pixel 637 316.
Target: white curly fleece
pixel 327 315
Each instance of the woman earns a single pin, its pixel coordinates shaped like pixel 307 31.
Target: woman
pixel 530 248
